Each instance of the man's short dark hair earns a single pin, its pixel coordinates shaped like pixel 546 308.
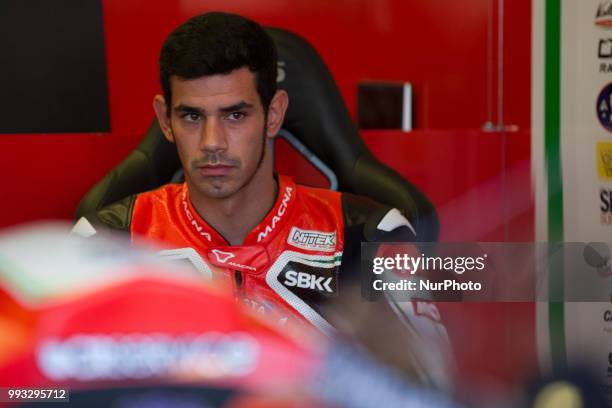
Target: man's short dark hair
pixel 218 43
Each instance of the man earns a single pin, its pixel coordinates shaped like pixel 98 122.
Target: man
pixel 283 248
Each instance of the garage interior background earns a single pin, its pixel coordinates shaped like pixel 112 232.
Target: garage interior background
pixel 479 181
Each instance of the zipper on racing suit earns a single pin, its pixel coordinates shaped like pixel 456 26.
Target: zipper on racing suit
pixel 239 281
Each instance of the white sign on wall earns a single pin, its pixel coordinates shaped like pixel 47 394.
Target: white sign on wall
pixel 572 166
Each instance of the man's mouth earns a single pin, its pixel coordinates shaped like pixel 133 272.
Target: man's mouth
pixel 215 170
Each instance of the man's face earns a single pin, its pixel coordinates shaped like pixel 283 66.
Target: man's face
pixel 218 125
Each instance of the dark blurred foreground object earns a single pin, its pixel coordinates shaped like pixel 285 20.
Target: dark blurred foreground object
pixel 317 120
pixel 113 324
pixel 157 343
pixel 154 340
pixel 122 331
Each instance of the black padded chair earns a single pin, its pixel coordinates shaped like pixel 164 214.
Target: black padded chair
pixel 317 123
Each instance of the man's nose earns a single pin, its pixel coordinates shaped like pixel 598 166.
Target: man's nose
pixel 213 136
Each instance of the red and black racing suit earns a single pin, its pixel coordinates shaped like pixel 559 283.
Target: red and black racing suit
pixel 305 251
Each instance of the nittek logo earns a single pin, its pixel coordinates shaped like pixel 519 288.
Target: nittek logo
pixel 221 256
pixel 282 208
pixel 306 280
pixel 603 17
pixel 312 240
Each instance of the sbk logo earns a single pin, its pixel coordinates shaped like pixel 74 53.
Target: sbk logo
pixel 221 256
pixel 305 280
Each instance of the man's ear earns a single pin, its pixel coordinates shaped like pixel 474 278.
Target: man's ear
pixel 276 112
pixel 161 111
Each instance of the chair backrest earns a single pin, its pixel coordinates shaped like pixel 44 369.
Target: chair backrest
pixel 316 116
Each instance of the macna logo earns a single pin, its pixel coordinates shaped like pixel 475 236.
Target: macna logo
pixel 604 160
pixel 221 256
pixel 199 229
pixel 312 240
pixel 282 208
pixel 306 280
pixel 603 18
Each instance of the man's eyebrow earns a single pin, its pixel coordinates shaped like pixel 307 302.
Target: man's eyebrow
pixel 225 109
pixel 237 106
pixel 186 108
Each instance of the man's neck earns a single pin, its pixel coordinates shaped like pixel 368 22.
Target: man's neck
pixel 236 216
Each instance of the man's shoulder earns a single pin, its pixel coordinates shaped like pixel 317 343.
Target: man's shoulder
pixel 372 218
pixel 166 195
pixel 377 221
pixel 119 215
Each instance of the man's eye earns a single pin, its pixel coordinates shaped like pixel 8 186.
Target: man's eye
pixel 191 116
pixel 235 116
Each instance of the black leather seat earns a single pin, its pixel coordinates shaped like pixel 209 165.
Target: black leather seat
pixel 317 117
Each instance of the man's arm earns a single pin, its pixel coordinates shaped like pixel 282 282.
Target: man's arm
pixel 424 339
